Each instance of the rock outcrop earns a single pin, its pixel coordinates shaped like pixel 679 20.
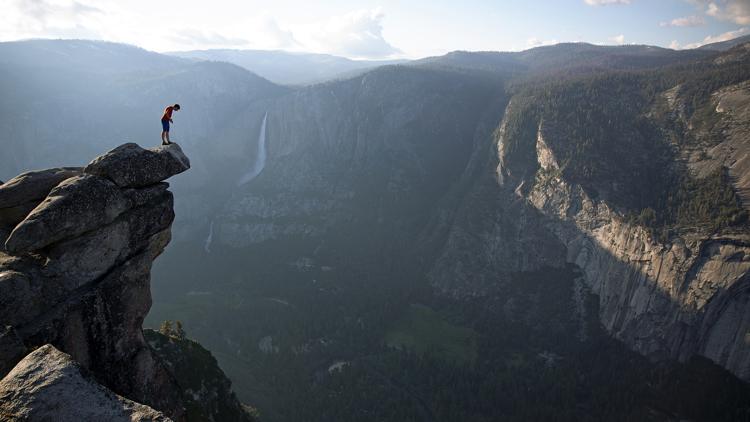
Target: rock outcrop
pixel 21 194
pixel 49 385
pixel 76 274
pixel 132 166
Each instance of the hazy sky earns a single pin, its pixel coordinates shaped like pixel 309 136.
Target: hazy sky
pixel 376 29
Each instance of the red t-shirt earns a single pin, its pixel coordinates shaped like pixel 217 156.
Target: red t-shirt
pixel 167 113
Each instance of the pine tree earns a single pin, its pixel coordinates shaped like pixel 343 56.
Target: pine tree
pixel 166 328
pixel 178 332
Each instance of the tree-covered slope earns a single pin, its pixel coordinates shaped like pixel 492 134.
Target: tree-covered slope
pixel 206 391
pixel 624 135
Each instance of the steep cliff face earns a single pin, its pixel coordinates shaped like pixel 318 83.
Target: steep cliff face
pixel 666 299
pixel 485 233
pixel 75 271
pixel 646 195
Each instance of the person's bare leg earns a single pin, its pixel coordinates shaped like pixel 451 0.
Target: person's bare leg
pixel 163 141
pixel 168 141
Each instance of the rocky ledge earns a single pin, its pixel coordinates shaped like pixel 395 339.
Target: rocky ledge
pixel 76 249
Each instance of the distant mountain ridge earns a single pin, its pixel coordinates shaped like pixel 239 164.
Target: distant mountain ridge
pixel 85 55
pixel 725 45
pixel 288 68
pixel 564 58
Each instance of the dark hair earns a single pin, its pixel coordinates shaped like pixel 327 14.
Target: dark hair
pixel 177 106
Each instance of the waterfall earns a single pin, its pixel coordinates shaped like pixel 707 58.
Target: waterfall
pixel 260 159
pixel 252 173
pixel 210 238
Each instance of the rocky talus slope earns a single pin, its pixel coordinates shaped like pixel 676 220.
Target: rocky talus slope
pixel 78 245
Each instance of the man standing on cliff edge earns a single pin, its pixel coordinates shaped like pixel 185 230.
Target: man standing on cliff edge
pixel 166 119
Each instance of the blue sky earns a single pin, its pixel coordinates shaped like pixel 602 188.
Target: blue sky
pixel 377 29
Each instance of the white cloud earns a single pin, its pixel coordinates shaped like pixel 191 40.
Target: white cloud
pixel 737 11
pixel 605 2
pixel 686 21
pixel 618 39
pixel 719 38
pixel 48 18
pixel 47 10
pixel 259 32
pixel 273 35
pixel 196 38
pixel 674 45
pixel 713 10
pixel 357 34
pixel 536 42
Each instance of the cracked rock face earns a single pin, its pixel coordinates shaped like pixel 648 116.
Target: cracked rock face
pixel 76 270
pixel 45 383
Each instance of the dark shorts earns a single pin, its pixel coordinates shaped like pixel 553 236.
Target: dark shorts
pixel 165 125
